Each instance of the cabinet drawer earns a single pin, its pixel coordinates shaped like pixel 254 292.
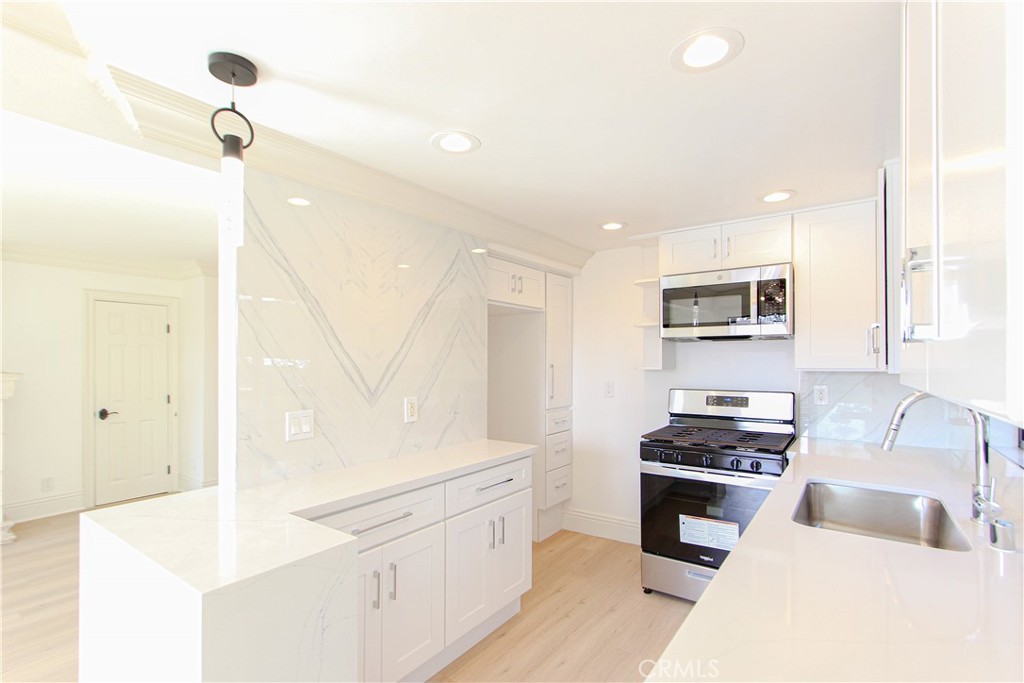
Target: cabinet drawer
pixel 472 490
pixel 559 485
pixel 558 450
pixel 384 520
pixel 558 421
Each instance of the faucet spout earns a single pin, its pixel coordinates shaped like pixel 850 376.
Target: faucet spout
pixel 984 500
pixel 897 418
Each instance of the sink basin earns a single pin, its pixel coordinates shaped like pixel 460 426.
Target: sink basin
pixel 891 515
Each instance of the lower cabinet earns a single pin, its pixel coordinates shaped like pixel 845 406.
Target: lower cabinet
pixel 401 588
pixel 488 552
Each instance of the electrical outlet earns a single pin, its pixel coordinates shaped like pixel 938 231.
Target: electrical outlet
pixel 609 389
pixel 46 484
pixel 410 411
pixel 821 395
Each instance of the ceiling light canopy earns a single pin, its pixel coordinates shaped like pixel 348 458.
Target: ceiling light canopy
pixel 778 196
pixel 707 49
pixel 479 250
pixel 455 142
pixel 298 201
pixel 613 226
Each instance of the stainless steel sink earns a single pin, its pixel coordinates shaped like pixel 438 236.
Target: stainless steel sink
pixel 890 515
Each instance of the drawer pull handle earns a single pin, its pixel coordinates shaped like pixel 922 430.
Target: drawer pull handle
pixel 481 489
pixel 562 485
pixel 407 513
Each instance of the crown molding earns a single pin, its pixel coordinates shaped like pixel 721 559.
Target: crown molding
pixel 156 268
pixel 44 22
pixel 174 119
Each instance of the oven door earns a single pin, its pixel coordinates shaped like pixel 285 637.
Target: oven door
pixel 710 305
pixel 696 516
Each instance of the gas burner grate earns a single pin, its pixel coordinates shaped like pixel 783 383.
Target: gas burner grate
pixel 721 438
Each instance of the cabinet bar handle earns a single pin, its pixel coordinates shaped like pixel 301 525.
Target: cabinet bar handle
pixel 728 247
pixel 874 330
pixel 911 265
pixel 551 393
pixel 407 513
pixel 380 587
pixel 502 518
pixel 490 524
pixel 481 489
pixel 394 584
pixel 714 248
pixel 562 485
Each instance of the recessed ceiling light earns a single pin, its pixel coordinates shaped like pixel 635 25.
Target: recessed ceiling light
pixel 706 49
pixel 455 142
pixel 613 226
pixel 298 201
pixel 479 250
pixel 778 196
pixel 404 265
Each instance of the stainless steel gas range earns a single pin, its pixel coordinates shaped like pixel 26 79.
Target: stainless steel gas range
pixel 702 479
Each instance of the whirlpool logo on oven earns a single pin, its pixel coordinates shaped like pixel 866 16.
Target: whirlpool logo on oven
pixel 706 558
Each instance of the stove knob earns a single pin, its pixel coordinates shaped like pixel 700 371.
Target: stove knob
pixel 735 463
pixel 707 460
pixel 668 456
pixel 756 465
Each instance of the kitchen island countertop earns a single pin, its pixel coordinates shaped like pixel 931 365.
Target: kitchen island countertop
pixel 796 603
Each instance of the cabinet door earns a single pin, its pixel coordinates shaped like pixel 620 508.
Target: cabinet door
pixel 757 242
pixel 513 571
pixel 837 303
pixel 514 284
pixel 530 287
pixel 558 341
pixel 470 539
pixel 369 585
pixel 690 251
pixel 413 627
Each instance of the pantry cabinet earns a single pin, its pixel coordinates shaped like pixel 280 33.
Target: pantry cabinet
pixel 742 244
pixel 514 284
pixel 839 308
pixel 558 341
pixel 488 561
pixel 401 604
pixel 962 284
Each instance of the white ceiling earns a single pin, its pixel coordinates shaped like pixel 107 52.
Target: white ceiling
pixel 581 116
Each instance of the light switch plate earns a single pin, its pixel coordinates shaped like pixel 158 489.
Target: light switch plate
pixel 298 424
pixel 410 409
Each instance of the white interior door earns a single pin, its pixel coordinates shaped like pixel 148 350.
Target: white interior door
pixel 131 401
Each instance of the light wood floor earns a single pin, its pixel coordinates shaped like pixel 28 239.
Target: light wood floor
pixel 585 619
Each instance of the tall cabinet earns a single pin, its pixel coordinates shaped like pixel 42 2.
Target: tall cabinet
pixel 529 389
pixel 962 284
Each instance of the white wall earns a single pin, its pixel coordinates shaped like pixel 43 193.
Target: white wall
pixel 607 431
pixel 197 414
pixel 44 313
pixel 328 322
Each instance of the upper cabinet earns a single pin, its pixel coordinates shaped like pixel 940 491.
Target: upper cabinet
pixel 511 283
pixel 742 244
pixel 962 247
pixel 839 309
pixel 558 341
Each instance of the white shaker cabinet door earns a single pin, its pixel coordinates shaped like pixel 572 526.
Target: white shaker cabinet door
pixel 757 242
pixel 370 592
pixel 690 251
pixel 513 571
pixel 470 539
pixel 558 341
pixel 413 595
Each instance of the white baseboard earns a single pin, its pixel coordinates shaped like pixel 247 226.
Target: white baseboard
pixel 190 484
pixel 44 507
pixel 605 526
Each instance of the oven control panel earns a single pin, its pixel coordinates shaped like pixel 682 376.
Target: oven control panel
pixel 751 464
pixel 728 401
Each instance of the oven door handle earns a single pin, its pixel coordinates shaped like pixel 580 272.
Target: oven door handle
pixel 756 482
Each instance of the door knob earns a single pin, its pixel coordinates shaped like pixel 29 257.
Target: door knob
pixel 104 413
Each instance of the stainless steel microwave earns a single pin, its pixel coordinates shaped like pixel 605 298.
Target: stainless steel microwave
pixel 744 303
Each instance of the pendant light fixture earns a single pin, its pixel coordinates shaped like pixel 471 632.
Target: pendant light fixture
pixel 237 71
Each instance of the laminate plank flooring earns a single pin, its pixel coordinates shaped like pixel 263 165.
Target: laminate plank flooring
pixel 585 619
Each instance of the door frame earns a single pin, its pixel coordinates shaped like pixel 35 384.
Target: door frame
pixel 92 296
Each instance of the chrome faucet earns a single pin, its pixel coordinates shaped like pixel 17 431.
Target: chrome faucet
pixel 984 509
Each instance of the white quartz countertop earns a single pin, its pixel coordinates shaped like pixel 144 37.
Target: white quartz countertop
pixel 795 603
pixel 210 538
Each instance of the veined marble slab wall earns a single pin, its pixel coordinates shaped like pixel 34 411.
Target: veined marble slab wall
pixel 861 405
pixel 328 321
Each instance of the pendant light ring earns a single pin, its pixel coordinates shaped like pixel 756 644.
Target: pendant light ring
pixel 232 110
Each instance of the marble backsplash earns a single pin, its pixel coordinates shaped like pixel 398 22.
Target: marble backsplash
pixel 861 405
pixel 328 321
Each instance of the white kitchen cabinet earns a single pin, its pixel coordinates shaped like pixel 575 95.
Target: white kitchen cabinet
pixel 558 341
pixel 515 284
pixel 488 561
pixel 963 221
pixel 401 604
pixel 755 242
pixel 838 282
